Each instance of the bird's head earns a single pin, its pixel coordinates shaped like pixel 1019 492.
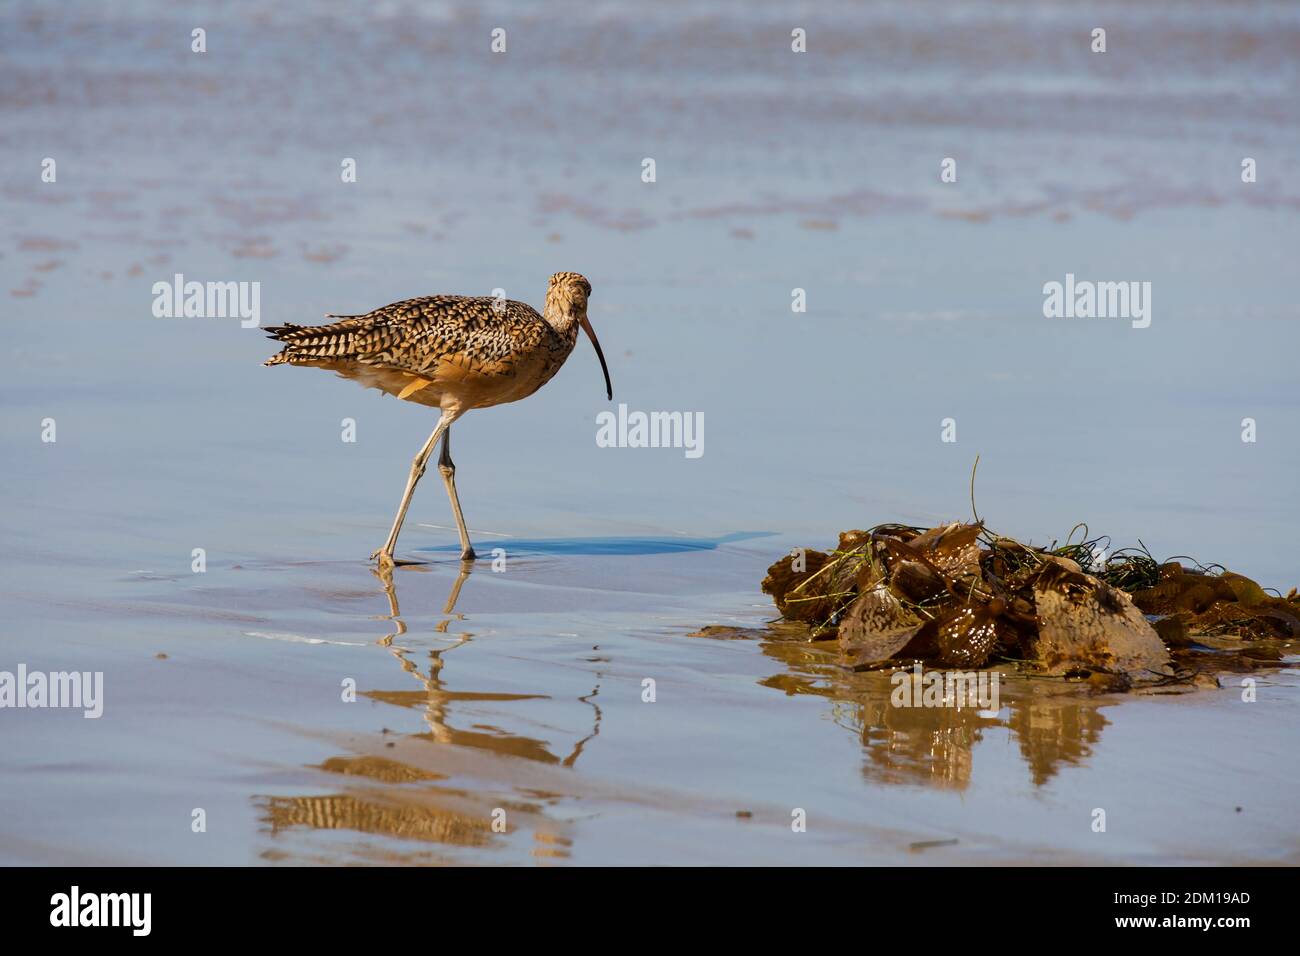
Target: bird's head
pixel 566 301
pixel 568 293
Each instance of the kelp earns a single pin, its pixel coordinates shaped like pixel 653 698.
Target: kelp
pixel 960 596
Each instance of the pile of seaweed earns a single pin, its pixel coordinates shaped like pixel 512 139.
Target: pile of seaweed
pixel 961 596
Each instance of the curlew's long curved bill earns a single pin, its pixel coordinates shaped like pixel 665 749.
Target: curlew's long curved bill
pixel 586 327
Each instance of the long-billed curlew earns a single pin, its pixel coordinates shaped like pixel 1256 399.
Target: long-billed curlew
pixel 450 352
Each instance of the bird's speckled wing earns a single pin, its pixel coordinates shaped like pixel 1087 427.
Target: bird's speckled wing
pixel 425 336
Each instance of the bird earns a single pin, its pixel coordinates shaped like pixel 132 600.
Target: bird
pixel 450 352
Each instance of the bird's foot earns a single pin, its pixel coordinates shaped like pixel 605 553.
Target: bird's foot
pixel 386 562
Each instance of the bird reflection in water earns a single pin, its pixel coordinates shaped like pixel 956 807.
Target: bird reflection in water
pixel 438 699
pixel 413 800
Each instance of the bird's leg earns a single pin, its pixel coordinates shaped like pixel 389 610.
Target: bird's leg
pixel 465 568
pixel 385 554
pixel 385 574
pixel 448 469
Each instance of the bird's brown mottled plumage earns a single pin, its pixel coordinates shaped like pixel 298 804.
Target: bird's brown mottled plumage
pixel 450 352
pixel 414 335
pixel 483 351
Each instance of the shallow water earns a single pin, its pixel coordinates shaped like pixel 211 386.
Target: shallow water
pixel 478 171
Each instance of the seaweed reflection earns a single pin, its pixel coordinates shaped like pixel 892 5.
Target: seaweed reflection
pixel 1053 724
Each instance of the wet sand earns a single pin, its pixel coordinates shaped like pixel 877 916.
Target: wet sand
pixel 528 697
pixel 477 173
